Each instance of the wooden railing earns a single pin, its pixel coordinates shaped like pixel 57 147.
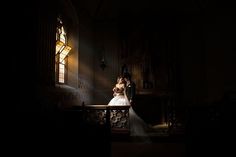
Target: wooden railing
pixel 114 117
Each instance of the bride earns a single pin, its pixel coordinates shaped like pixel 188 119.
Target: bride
pixel 138 128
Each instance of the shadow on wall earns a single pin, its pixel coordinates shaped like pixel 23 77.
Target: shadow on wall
pixel 210 127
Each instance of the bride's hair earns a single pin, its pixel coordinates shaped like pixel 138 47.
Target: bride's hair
pixel 118 78
pixel 122 80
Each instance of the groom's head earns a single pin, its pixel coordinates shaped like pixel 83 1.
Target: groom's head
pixel 127 76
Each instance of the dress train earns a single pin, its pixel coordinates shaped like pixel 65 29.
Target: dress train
pixel 138 127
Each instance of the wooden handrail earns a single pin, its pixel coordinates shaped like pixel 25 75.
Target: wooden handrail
pixel 106 107
pixel 100 107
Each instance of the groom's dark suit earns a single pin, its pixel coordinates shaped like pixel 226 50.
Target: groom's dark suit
pixel 130 91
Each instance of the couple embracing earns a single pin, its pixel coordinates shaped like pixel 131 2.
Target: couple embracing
pixel 124 95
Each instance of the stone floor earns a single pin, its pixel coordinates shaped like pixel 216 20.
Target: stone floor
pixel 160 145
pixel 162 149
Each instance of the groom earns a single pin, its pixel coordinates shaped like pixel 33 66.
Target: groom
pixel 130 88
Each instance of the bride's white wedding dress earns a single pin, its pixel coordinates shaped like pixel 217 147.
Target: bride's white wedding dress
pixel 138 128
